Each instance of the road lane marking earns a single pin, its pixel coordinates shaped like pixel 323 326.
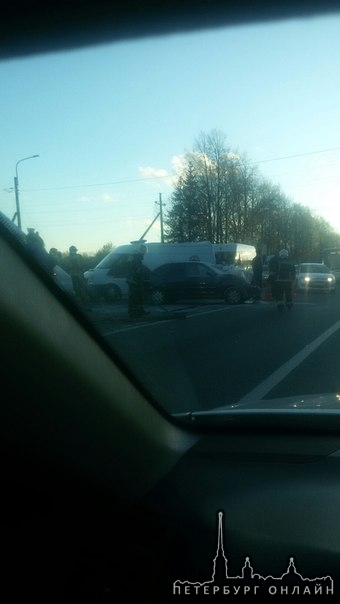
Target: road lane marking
pixel 193 315
pixel 275 378
pixel 165 319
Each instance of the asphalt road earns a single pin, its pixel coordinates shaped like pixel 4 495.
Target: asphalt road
pixel 200 356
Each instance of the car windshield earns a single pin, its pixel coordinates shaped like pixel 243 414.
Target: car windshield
pixel 313 268
pixel 121 157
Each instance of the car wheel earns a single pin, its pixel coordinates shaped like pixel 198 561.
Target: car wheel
pixel 112 293
pixel 232 295
pixel 158 296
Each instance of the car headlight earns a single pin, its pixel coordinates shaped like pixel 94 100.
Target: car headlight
pixel 307 279
pixel 330 279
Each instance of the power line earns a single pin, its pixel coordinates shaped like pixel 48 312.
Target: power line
pixel 262 161
pixel 101 184
pixel 167 176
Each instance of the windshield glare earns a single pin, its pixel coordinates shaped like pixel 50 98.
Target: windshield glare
pixel 173 146
pixel 314 268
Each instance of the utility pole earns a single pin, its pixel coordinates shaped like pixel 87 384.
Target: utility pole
pixel 161 204
pixel 17 214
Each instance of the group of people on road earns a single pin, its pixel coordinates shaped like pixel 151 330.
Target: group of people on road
pixel 280 280
pixel 136 279
pixel 49 260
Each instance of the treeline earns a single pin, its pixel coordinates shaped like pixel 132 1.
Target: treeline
pixel 220 196
pixel 89 260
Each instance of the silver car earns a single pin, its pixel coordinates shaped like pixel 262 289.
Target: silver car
pixel 314 276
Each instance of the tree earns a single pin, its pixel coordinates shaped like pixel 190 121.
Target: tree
pixel 102 252
pixel 185 219
pixel 221 196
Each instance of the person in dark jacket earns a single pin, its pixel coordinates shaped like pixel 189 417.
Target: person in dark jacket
pixel 76 270
pixel 257 281
pixel 282 277
pixel 136 281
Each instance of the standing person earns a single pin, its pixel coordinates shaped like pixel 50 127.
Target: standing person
pixel 282 277
pixel 136 283
pixel 76 268
pixel 257 281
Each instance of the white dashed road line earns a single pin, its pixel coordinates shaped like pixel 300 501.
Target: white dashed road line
pixel 275 378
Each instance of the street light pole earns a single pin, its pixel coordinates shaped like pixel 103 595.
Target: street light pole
pixel 16 188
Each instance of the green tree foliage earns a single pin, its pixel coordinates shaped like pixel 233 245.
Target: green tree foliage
pixel 102 252
pixel 220 196
pixel 187 214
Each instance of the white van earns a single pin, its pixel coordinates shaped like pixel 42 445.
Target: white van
pixel 235 257
pixel 239 254
pixel 108 279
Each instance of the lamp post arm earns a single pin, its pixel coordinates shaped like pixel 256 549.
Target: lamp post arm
pixel 23 159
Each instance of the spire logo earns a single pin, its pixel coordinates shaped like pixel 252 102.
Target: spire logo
pixel 250 583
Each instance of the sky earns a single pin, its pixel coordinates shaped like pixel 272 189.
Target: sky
pixel 111 124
